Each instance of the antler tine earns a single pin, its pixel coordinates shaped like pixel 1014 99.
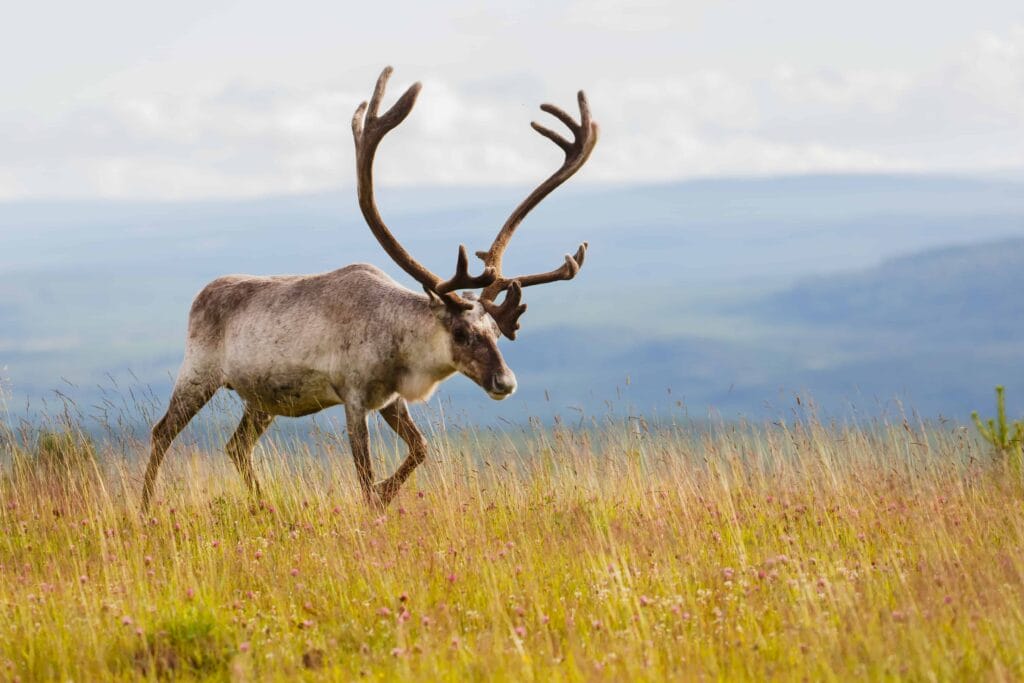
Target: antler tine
pixel 585 122
pixel 378 90
pixel 553 136
pixel 462 279
pixel 566 271
pixel 366 119
pixel 368 129
pixel 585 134
pixel 560 114
pixel 507 314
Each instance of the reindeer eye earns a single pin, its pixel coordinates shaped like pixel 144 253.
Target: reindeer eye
pixel 460 336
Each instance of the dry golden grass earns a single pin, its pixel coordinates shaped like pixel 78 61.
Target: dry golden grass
pixel 625 552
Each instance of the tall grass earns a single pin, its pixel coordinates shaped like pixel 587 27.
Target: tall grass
pixel 624 551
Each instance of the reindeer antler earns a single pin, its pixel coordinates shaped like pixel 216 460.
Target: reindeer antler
pixel 585 134
pixel 507 314
pixel 368 129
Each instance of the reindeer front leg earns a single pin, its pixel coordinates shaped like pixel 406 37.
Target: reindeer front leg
pixel 359 438
pixel 397 416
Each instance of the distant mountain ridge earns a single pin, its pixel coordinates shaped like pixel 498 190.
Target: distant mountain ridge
pixel 960 291
pixel 727 295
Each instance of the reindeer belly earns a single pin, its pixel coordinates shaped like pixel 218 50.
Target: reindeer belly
pixel 291 393
pixel 280 363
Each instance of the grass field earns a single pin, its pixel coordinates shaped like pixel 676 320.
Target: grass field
pixel 622 552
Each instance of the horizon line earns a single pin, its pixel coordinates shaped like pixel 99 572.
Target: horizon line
pixel 1013 175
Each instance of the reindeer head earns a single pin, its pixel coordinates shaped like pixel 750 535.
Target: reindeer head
pixel 473 323
pixel 473 345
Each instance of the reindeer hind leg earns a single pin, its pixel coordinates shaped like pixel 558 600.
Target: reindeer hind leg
pixel 191 393
pixel 254 423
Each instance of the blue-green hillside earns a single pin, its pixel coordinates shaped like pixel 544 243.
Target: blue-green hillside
pixel 728 295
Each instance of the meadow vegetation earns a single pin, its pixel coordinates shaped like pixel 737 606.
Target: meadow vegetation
pixel 618 550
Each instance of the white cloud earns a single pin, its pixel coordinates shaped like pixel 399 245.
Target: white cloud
pixel 873 91
pixel 633 15
pixel 991 75
pixel 965 114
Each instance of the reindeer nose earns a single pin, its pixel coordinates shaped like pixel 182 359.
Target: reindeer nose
pixel 503 385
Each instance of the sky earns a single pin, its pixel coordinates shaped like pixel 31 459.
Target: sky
pixel 214 98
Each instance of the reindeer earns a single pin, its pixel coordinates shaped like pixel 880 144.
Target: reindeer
pixel 293 345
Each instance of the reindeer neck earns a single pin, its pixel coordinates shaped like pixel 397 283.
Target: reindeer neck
pixel 423 340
